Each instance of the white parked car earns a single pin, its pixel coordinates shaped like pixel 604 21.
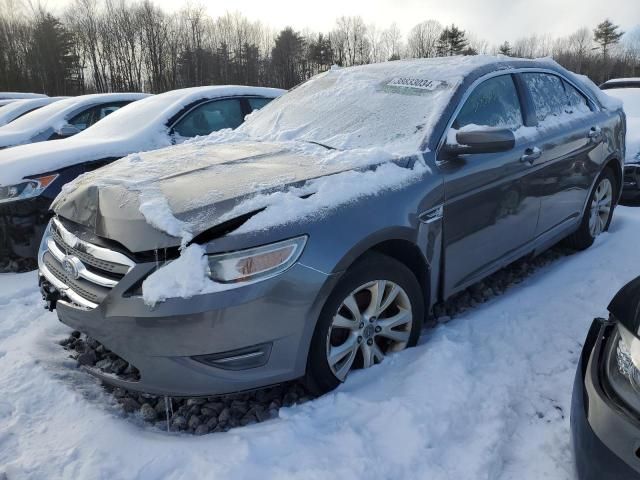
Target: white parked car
pixel 628 90
pixel 19 95
pixel 17 108
pixel 63 118
pixel 31 176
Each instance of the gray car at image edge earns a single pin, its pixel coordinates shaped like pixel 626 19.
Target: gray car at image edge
pixel 517 156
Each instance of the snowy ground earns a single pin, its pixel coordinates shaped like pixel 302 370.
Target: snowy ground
pixel 485 396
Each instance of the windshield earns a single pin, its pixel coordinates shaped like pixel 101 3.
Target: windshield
pixel 392 106
pixel 42 118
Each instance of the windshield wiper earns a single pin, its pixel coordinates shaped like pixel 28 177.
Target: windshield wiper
pixel 328 147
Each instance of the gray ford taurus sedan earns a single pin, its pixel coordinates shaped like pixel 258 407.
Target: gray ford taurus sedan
pixel 315 238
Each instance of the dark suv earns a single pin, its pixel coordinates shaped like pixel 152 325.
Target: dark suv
pixel 315 238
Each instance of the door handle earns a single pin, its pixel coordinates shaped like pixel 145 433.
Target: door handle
pixel 531 154
pixel 595 133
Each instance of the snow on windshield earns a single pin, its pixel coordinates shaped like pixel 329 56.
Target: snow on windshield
pixel 393 105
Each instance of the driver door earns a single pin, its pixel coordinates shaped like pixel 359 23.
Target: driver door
pixel 490 213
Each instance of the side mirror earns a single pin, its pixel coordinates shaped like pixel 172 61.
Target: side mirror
pixel 67 130
pixel 482 140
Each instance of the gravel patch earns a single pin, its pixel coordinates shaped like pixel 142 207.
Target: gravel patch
pixel 204 415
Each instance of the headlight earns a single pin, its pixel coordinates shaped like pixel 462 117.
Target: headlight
pixel 28 189
pixel 255 263
pixel 623 366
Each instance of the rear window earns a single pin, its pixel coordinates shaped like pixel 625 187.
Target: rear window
pixel 547 93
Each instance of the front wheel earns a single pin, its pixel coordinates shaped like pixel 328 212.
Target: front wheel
pixel 598 213
pixel 375 310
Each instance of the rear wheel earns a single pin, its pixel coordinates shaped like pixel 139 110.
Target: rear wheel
pixel 375 310
pixel 598 213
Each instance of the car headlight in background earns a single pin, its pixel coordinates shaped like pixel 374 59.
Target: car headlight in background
pixel 257 263
pixel 30 188
pixel 623 366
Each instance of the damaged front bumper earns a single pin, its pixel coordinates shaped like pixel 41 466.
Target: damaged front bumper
pixel 240 339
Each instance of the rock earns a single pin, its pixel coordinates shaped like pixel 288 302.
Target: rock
pixel 212 423
pixel 148 412
pixel 92 343
pixel 201 430
pixel 160 408
pixel 178 422
pixel 87 358
pixel 289 399
pixel 224 416
pixel 194 422
pixel 65 341
pixel 100 349
pixel 444 319
pixel 275 405
pixel 215 406
pixel 196 401
pixel 208 412
pixel 263 415
pixel 118 366
pixel 75 334
pixel 129 404
pixel 104 365
pixel 80 346
pixel 249 419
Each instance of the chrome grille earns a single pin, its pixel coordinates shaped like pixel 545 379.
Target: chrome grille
pixel 82 272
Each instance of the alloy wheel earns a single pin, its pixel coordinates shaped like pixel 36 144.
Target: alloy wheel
pixel 600 207
pixel 372 321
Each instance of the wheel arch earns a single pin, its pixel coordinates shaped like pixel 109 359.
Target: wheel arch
pixel 399 246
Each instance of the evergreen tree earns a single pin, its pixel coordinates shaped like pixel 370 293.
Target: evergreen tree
pixel 287 58
pixel 452 41
pixel 54 64
pixel 505 49
pixel 607 34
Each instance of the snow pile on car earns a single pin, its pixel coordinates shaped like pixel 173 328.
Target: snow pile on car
pixel 630 97
pixel 187 276
pixel 140 126
pixel 53 116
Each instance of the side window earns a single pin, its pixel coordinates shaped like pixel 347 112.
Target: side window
pixel 494 103
pixel 258 103
pixel 548 94
pixel 107 109
pixel 577 102
pixel 94 114
pixel 84 119
pixel 210 117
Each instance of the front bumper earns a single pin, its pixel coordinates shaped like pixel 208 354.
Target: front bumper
pixel 240 339
pixel 22 224
pixel 631 184
pixel 605 438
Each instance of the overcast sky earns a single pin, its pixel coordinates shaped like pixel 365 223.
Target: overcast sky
pixel 493 20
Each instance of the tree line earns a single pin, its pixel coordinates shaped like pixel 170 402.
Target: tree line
pixel 118 45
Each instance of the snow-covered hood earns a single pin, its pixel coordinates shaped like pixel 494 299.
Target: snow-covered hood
pixel 138 199
pixel 33 159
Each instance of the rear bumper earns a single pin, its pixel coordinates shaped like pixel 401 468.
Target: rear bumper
pixel 604 439
pixel 22 224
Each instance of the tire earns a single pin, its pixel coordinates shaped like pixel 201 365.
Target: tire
pixel 369 331
pixel 584 237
